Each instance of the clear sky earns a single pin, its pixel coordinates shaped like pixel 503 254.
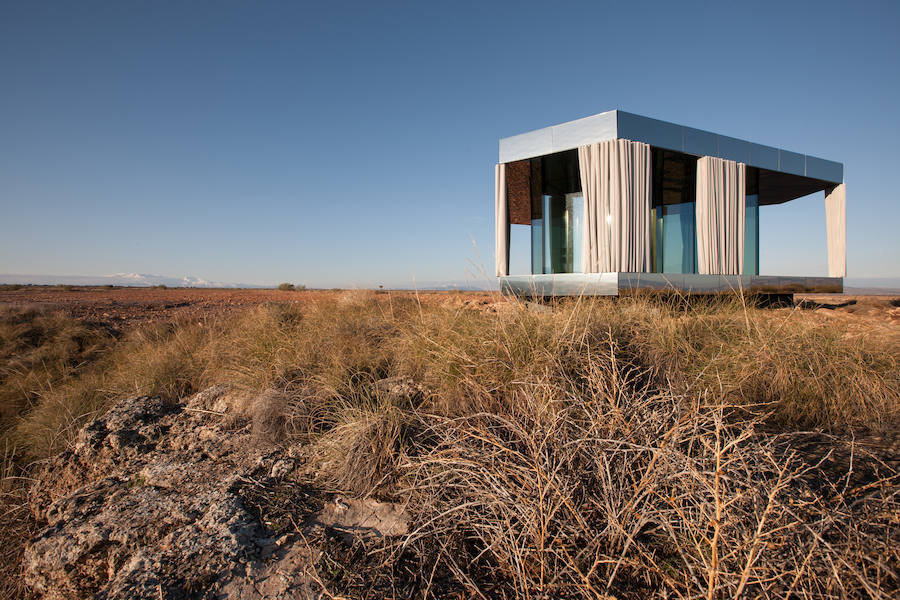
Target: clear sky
pixel 340 144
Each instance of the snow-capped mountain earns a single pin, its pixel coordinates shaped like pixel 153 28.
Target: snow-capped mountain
pixel 125 279
pixel 144 279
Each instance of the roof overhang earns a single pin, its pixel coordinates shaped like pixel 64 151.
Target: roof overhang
pixel 784 175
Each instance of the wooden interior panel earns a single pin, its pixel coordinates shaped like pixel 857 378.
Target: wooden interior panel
pixel 518 191
pixel 537 208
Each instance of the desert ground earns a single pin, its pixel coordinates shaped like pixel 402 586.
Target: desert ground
pixel 123 307
pixel 131 306
pixel 241 443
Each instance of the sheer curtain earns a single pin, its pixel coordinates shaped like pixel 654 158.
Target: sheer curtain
pixel 616 183
pixel 721 204
pixel 501 222
pixel 836 227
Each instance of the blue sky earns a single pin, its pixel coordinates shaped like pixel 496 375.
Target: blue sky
pixel 341 144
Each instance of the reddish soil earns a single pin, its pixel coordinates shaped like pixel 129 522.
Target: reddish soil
pixel 124 307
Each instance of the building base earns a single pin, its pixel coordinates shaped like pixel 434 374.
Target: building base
pixel 614 284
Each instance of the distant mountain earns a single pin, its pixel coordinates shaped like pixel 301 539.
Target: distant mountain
pixel 124 279
pixel 473 285
pixel 872 285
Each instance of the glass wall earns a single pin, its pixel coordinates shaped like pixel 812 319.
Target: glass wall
pixel 574 230
pixel 751 224
pixel 557 214
pixel 673 220
pixel 679 238
pixel 537 245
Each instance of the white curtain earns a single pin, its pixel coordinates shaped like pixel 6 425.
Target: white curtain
pixel 501 222
pixel 836 227
pixel 721 204
pixel 616 183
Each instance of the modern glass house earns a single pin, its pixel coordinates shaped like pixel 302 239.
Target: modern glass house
pixel 617 201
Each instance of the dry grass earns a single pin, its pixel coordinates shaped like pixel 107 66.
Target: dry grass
pixel 599 448
pixel 635 493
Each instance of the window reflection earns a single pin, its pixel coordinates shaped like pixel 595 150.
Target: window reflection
pixel 557 207
pixel 679 237
pixel 751 224
pixel 557 214
pixel 673 232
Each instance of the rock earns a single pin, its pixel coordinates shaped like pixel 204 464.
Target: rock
pixel 364 518
pixel 215 399
pixel 158 499
pixel 282 468
pixel 398 389
pixel 537 307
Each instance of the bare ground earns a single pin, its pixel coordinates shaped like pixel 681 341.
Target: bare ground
pixel 124 307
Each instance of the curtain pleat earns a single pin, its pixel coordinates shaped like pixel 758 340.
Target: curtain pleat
pixel 720 209
pixel 836 228
pixel 501 222
pixel 616 183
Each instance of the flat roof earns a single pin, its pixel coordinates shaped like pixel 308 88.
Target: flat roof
pixel 662 134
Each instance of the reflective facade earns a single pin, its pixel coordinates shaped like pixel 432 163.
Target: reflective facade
pixel 670 136
pixel 558 213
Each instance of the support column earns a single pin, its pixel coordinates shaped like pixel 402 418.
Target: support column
pixel 836 228
pixel 501 222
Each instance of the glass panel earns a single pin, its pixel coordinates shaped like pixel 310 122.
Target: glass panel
pixel 537 219
pixel 561 212
pixel 574 232
pixel 537 246
pixel 751 236
pixel 554 235
pixel 751 223
pixel 672 221
pixel 678 238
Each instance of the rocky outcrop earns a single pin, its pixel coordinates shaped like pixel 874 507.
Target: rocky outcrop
pixel 177 500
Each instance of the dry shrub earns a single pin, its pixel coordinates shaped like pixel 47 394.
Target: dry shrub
pixel 296 413
pixel 268 411
pixel 159 360
pixel 805 371
pixel 39 349
pixel 363 454
pixel 618 448
pixel 279 346
pixel 355 298
pixel 17 524
pixel 631 493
